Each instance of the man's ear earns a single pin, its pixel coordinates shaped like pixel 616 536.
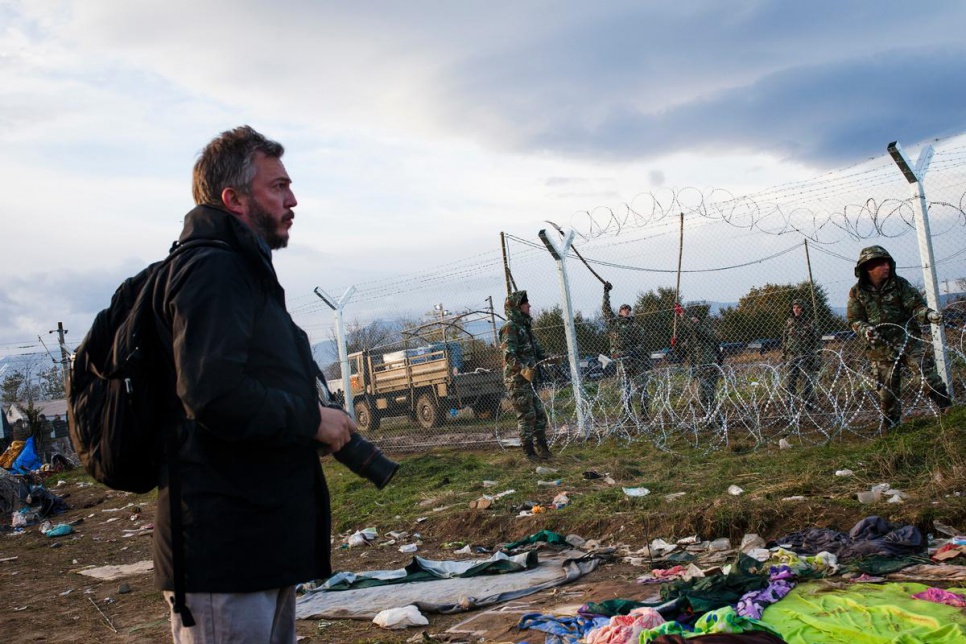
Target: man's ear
pixel 233 201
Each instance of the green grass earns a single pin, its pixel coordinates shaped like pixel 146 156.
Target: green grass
pixel 923 458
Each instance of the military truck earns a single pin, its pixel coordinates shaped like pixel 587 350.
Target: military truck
pixel 424 384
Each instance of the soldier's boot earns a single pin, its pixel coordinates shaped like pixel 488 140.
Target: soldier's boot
pixel 889 420
pixel 543 450
pixel 940 396
pixel 528 450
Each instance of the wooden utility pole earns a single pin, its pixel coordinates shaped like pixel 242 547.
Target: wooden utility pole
pixel 677 286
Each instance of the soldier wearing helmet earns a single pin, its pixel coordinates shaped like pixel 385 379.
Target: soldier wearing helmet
pixel 702 348
pixel 628 348
pixel 521 355
pixel 800 352
pixel 886 310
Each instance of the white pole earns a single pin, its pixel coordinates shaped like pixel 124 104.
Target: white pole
pixel 340 341
pixel 930 283
pixel 559 254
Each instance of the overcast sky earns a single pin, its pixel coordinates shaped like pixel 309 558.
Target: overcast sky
pixel 428 124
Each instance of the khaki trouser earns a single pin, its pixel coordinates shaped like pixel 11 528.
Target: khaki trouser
pixel 265 617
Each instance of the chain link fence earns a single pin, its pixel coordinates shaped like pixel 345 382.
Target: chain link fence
pixel 425 368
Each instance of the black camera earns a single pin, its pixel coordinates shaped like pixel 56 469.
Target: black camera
pixel 359 455
pixel 366 460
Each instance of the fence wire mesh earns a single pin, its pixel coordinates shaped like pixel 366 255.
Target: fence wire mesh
pixel 426 368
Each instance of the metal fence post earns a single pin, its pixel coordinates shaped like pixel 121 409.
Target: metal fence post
pixel 340 341
pixel 930 283
pixel 559 255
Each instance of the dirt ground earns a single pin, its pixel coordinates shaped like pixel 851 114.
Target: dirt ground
pixel 43 598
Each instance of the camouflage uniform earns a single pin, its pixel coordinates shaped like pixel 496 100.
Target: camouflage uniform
pixel 801 344
pixel 521 353
pixel 628 349
pixel 888 319
pixel 703 352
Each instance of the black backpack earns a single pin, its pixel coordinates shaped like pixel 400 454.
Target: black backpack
pixel 120 393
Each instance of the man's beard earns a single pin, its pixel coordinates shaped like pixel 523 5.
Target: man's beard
pixel 266 226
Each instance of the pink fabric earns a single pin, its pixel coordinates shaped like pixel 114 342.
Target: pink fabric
pixel 940 596
pixel 625 629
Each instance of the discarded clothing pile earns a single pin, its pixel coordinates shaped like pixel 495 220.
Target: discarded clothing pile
pixel 781 594
pixel 25 501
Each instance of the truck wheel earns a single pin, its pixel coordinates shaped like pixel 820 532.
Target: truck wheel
pixel 487 408
pixel 428 414
pixel 366 419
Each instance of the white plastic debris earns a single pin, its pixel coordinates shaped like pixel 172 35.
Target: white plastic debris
pixel 734 490
pixel 545 470
pixel 751 541
pixel 784 444
pixel 844 472
pixel 362 537
pixel 636 491
pixel 409 547
pixel 790 499
pixel 399 618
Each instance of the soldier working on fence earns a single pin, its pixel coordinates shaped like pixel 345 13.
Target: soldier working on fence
pixel 801 344
pixel 886 310
pixel 702 348
pixel 521 354
pixel 628 349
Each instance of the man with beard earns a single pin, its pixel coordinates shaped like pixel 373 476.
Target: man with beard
pixel 254 503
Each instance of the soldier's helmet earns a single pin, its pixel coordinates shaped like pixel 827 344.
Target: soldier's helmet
pixel 870 253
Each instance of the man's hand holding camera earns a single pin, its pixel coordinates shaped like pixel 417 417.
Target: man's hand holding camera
pixel 335 428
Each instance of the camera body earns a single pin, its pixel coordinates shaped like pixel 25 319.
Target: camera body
pixel 366 460
pixel 359 455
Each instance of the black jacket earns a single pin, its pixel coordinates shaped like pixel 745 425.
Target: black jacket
pixel 256 507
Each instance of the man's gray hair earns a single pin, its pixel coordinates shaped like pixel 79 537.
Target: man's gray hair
pixel 228 162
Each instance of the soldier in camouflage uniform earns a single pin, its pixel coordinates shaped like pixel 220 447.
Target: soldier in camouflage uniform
pixel 628 349
pixel 702 348
pixel 801 344
pixel 885 310
pixel 521 353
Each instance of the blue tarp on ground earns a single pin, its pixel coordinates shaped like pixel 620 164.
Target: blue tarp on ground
pixel 28 461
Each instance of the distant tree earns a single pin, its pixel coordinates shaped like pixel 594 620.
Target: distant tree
pixel 22 385
pixel 654 311
pixel 51 383
pixel 548 327
pixel 762 312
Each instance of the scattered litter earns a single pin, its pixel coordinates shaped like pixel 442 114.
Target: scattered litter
pixel 734 490
pixel 636 491
pixel 110 573
pixel 844 472
pixel 5 559
pixel 362 537
pixel 674 495
pixel 465 550
pixel 481 504
pixel 575 540
pixel 797 497
pixel 420 519
pixel 399 618
pixel 541 470
pixel 66 592
pixel 784 444
pixel 409 547
pixel 554 483
pixel 719 545
pixel 560 500
pixel 591 474
pixel 59 530
pixel 489 483
pixel 688 541
pixel 751 541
